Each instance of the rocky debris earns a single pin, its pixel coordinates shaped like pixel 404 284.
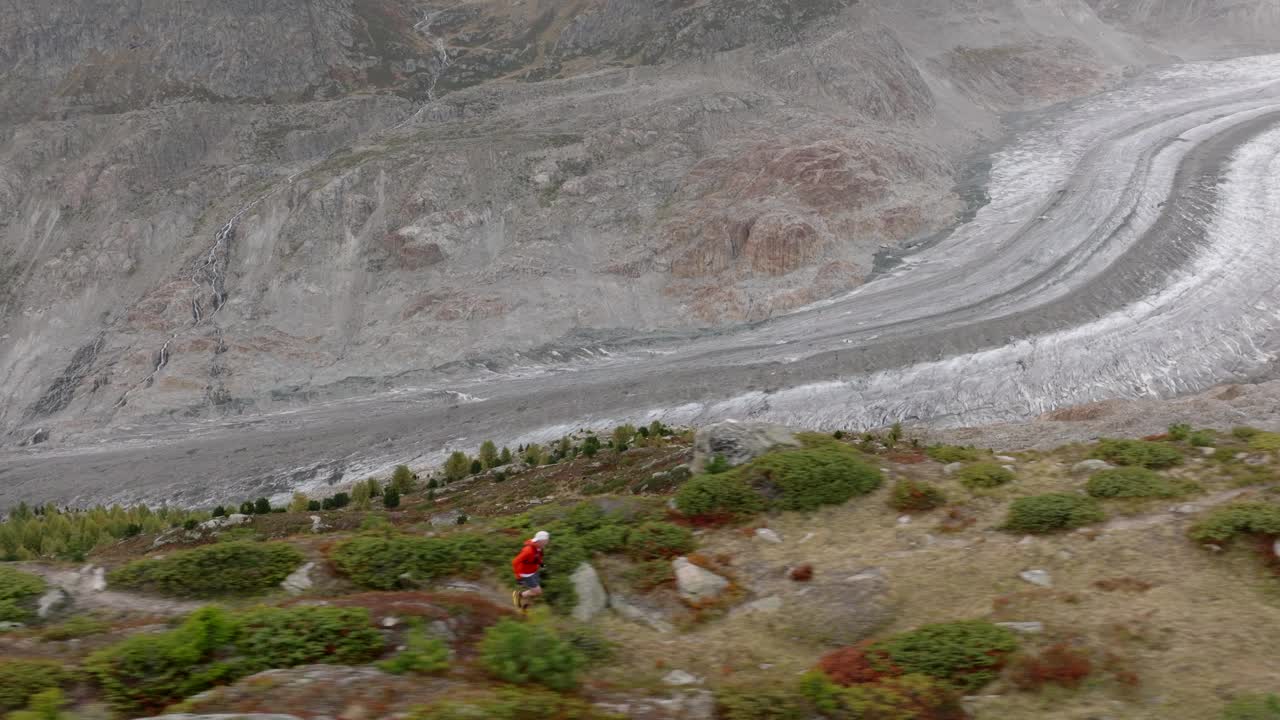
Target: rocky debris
pixel 635 612
pixel 904 519
pixel 738 442
pixel 446 519
pixel 205 529
pixel 768 535
pixel 800 573
pixel 39 436
pixel 677 678
pixel 1257 459
pixel 952 468
pixel 1208 451
pixel 1088 467
pixel 1037 577
pixel 592 598
pixel 390 622
pixel 1024 628
pixel 1005 459
pixel 299 581
pixel 696 583
pixel 771 604
pixel 317 524
pixel 838 608
pixel 53 600
pixel 87 589
pixel 685 705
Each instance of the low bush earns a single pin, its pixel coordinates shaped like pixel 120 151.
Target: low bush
pixel 1244 432
pixel 966 654
pixel 718 495
pixel 948 454
pixel 1179 432
pixel 44 705
pixel 530 653
pixel 513 704
pixel 984 475
pixel 590 643
pixel 1202 438
pixel 654 540
pixel 1253 707
pixel 1225 523
pixel 853 666
pixel 1052 512
pixel 651 575
pixel 1059 664
pixel 422 654
pixel 148 672
pixel 908 697
pixel 1264 441
pixel 387 562
pixel 1140 453
pixel 18 594
pixel 20 680
pixel 916 496
pixel 606 539
pixel 809 478
pixel 76 626
pixel 236 568
pixel 1130 482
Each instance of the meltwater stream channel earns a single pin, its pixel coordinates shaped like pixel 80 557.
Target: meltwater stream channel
pixel 1129 249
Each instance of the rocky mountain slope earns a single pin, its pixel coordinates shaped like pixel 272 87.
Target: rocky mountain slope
pixel 212 208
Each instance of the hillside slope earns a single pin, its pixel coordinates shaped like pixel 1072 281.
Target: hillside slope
pixel 214 208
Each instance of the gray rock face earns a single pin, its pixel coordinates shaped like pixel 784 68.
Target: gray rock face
pixel 738 442
pixel 697 583
pixel 299 581
pixel 1037 577
pixel 51 601
pixel 1024 628
pixel 592 598
pixel 1085 467
pixel 634 611
pixel 839 610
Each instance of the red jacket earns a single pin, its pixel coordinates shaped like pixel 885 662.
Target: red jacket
pixel 529 561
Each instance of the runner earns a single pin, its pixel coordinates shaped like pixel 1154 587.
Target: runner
pixel 527 566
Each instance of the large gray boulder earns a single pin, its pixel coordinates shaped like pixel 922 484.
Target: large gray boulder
pixel 592 599
pixel 738 442
pixel 697 583
pixel 833 608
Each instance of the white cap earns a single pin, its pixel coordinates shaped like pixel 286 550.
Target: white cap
pixel 541 536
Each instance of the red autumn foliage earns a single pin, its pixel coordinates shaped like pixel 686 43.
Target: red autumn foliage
pixel 1058 664
pixel 801 573
pixel 853 665
pixel 911 458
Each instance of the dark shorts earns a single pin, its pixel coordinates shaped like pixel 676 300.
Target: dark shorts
pixel 530 582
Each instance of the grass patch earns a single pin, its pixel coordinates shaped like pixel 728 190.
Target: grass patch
pixel 948 454
pixel 916 496
pixel 18 594
pixel 984 475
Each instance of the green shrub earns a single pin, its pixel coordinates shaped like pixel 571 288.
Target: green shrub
pixel 1244 432
pixel 967 654
pixel 1052 512
pixel 44 705
pixel 76 626
pixel 984 475
pixel 20 680
pixel 530 653
pixel 724 494
pixel 1225 523
pixel 654 540
pixel 809 478
pixel 948 454
pixel 606 539
pixel 383 562
pixel 1130 482
pixel 590 643
pixel 1265 442
pixel 1202 438
pixel 1179 432
pixel 513 704
pixel 717 465
pixel 148 672
pixel 235 568
pixel 391 498
pixel 906 697
pixel 262 506
pixel 422 654
pixel 18 594
pixel 1253 707
pixel 755 703
pixel 916 496
pixel 1141 453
